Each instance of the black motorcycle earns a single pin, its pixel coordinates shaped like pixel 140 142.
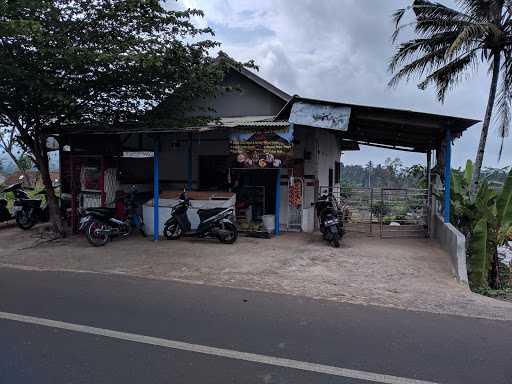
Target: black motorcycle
pixel 330 218
pixel 214 223
pixel 27 211
pixel 102 224
pixel 5 214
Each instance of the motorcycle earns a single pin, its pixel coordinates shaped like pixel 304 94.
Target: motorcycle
pixel 214 223
pixel 5 214
pixel 330 218
pixel 27 211
pixel 102 224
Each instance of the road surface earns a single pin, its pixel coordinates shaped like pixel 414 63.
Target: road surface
pixel 58 327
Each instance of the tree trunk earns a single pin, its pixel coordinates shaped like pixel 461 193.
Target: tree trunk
pixel 485 126
pixel 42 164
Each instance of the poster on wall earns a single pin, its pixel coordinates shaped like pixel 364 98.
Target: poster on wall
pixel 271 148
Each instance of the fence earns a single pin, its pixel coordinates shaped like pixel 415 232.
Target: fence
pixel 384 212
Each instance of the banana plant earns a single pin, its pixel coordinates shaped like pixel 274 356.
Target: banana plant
pixel 486 221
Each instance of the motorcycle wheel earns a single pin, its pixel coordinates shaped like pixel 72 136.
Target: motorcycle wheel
pixel 25 220
pixel 95 235
pixel 172 231
pixel 231 237
pixel 335 241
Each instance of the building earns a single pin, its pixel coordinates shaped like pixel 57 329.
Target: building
pixel 31 179
pixel 276 152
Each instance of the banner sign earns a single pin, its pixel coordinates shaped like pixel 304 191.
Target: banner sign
pixel 320 116
pixel 266 148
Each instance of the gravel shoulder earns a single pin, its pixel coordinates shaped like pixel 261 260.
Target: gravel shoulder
pixel 412 274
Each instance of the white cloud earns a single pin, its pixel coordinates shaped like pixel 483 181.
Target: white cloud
pixel 338 49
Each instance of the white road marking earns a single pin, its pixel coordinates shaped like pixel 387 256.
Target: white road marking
pixel 220 352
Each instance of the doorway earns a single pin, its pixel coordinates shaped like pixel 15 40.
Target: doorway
pixel 255 193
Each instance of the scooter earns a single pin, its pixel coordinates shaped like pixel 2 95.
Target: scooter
pixel 102 224
pixel 331 225
pixel 27 211
pixel 214 223
pixel 5 214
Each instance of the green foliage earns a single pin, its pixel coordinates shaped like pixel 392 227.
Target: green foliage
pixel 25 163
pixel 480 260
pixel 391 174
pixel 486 221
pixel 449 45
pixel 100 63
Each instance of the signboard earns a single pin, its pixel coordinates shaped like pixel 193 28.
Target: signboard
pixel 266 148
pixel 320 116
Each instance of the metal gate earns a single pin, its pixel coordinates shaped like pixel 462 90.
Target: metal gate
pixel 384 212
pixel 295 203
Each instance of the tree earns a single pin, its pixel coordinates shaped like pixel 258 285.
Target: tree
pixel 451 43
pixel 97 62
pixel 8 140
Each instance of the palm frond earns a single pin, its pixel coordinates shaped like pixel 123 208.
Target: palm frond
pixel 419 66
pixel 503 103
pixel 425 9
pixel 471 35
pixel 450 74
pixel 411 50
pixel 482 10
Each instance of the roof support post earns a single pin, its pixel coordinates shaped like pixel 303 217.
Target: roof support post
pixel 447 174
pixel 189 164
pixel 74 197
pixel 428 174
pixel 156 192
pixel 278 202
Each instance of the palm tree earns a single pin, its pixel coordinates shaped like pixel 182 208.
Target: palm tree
pixel 452 42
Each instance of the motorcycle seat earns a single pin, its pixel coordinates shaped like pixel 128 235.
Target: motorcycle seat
pixel 102 210
pixel 32 203
pixel 205 214
pixel 12 187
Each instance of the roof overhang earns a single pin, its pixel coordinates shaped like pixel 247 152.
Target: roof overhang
pixel 391 128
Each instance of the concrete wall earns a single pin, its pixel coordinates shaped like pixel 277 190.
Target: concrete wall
pixel 319 149
pixel 246 99
pixel 453 242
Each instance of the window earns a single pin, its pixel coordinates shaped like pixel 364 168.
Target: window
pixel 337 172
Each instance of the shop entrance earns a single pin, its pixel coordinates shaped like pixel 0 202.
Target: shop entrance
pixel 255 195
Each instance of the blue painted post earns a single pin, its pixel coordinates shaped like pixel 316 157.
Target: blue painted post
pixel 189 164
pixel 156 173
pixel 278 202
pixel 447 175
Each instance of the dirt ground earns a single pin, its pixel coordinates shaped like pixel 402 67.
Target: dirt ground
pixel 412 274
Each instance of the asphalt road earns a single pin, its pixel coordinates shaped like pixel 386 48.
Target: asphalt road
pixel 377 341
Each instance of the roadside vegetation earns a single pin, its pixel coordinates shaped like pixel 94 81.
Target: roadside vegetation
pixel 98 63
pixel 449 45
pixel 486 221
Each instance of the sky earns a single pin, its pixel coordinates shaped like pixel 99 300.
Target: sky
pixel 339 50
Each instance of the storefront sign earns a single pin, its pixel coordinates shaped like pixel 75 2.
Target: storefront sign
pixel 268 148
pixel 320 116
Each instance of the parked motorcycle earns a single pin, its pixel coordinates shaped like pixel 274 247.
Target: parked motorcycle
pixel 5 214
pixel 27 211
pixel 102 224
pixel 214 223
pixel 330 219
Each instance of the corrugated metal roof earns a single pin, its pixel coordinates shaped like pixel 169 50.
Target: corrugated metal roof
pixel 250 121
